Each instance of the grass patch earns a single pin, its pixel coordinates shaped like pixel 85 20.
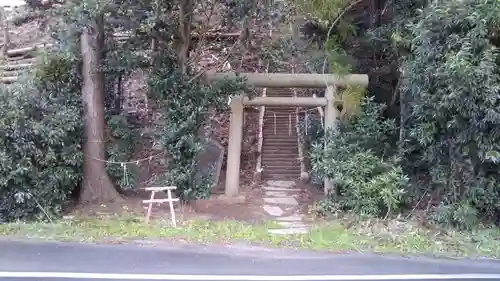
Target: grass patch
pixel 376 236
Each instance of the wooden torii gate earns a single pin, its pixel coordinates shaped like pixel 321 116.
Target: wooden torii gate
pixel 279 80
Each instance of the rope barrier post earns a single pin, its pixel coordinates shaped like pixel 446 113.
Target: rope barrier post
pixel 169 199
pixel 150 206
pixel 171 206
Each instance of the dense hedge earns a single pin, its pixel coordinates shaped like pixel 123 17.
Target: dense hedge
pixel 40 140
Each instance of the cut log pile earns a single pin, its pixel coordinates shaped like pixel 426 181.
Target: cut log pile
pixel 17 61
pixel 14 62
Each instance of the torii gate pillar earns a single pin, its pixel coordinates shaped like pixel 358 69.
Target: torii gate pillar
pixel 234 147
pixel 331 115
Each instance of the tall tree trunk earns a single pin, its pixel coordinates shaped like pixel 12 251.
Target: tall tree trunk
pixel 97 186
pixel 4 25
pixel 185 21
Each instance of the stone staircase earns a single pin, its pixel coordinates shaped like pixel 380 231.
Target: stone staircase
pixel 280 158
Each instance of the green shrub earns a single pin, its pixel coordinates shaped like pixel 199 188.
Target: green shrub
pixel 353 159
pixel 120 148
pixel 40 141
pixel 451 81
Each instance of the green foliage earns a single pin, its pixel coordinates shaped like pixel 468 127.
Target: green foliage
pixel 461 215
pixel 121 146
pixel 353 158
pixel 326 11
pixel 40 140
pixel 452 83
pixel 186 104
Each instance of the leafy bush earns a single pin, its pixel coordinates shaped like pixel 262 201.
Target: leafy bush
pixel 186 104
pixel 40 140
pixel 452 83
pixel 120 148
pixel 353 159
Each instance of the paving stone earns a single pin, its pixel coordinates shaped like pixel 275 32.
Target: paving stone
pixel 273 188
pixel 281 201
pixel 291 218
pixel 288 231
pixel 273 210
pixel 292 224
pixel 277 194
pixel 281 183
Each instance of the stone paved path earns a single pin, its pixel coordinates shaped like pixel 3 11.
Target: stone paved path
pixel 280 202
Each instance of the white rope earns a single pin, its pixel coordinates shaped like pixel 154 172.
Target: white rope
pixel 125 174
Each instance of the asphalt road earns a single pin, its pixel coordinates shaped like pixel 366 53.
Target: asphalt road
pixel 23 261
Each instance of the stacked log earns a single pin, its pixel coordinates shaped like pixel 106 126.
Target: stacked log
pixel 17 61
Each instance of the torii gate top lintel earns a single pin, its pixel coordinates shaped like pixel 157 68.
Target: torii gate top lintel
pixel 293 80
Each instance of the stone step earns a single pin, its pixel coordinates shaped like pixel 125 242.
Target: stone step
pixel 270 125
pixel 283 158
pixel 279 134
pixel 280 175
pixel 278 165
pixel 273 176
pixel 280 142
pixel 272 165
pixel 284 135
pixel 281 155
pixel 270 141
pixel 291 149
pixel 280 120
pixel 287 150
pixel 291 161
pixel 280 170
pixel 276 168
pixel 280 158
pixel 283 128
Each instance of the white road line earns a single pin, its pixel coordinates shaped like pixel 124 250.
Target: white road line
pixel 125 276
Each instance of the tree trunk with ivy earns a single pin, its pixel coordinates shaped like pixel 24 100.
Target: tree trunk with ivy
pixel 97 185
pixel 185 21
